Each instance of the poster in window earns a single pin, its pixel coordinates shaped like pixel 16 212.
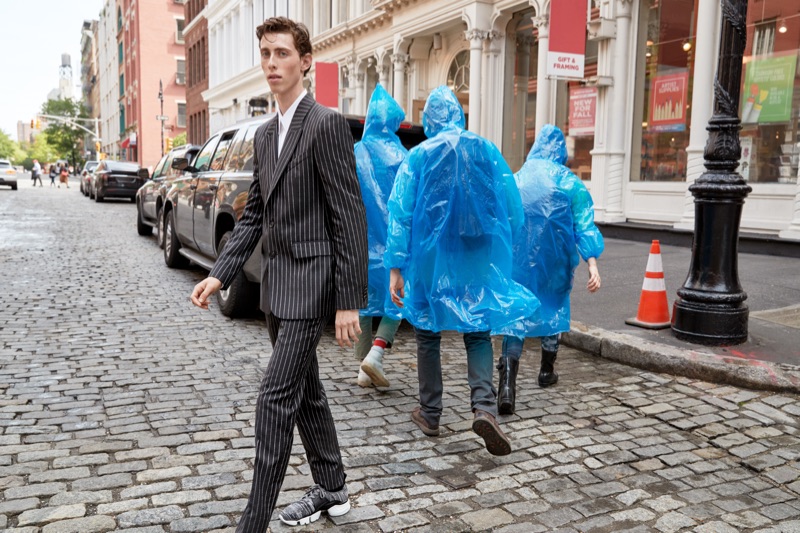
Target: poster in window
pixel 668 99
pixel 768 89
pixel 582 111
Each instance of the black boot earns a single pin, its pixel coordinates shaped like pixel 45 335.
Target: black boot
pixel 507 388
pixel 548 375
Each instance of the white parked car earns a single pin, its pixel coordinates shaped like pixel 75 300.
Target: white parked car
pixel 8 174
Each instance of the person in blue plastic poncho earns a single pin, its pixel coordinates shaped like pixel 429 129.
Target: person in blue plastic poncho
pixel 559 225
pixel 452 212
pixel 378 156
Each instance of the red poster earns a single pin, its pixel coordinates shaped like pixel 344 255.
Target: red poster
pixel 567 48
pixel 582 110
pixel 326 84
pixel 668 96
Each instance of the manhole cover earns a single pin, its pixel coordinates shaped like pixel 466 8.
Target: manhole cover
pixel 785 316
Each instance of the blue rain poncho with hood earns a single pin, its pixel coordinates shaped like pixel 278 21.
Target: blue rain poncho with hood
pixel 452 213
pixel 559 225
pixel 379 154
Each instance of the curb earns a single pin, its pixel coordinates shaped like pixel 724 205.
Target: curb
pixel 688 362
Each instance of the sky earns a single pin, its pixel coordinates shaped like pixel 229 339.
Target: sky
pixel 34 35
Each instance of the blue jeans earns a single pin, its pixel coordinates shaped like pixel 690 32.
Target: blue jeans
pixel 480 365
pixel 512 346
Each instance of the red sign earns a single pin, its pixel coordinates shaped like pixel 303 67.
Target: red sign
pixel 582 110
pixel 567 48
pixel 668 95
pixel 326 84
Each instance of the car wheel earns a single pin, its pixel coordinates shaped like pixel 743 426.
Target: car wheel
pixel 91 194
pixel 240 298
pixel 172 257
pixel 14 187
pixel 98 197
pixel 142 228
pixel 133 200
pixel 160 228
pixel 81 187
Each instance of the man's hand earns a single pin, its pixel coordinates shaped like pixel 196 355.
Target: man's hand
pixel 396 283
pixel 347 327
pixel 203 291
pixel 594 276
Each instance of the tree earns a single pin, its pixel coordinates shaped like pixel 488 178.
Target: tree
pixel 65 138
pixel 10 149
pixel 179 140
pixel 43 150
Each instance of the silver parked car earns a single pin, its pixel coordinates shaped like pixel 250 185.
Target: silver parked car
pixel 8 174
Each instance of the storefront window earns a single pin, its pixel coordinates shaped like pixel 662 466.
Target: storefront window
pixel 770 97
pixel 520 101
pixel 669 65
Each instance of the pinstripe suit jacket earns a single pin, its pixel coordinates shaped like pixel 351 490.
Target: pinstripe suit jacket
pixel 307 205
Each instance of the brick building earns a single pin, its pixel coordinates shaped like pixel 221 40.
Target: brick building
pixel 196 37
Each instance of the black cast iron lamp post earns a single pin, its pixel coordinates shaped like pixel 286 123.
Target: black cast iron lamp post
pixel 710 308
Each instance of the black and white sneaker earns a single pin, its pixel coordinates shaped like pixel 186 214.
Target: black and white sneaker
pixel 309 508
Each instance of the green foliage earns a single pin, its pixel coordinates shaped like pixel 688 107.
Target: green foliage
pixel 179 139
pixel 66 139
pixel 43 150
pixel 8 147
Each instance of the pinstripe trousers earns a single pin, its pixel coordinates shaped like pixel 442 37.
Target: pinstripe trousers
pixel 291 392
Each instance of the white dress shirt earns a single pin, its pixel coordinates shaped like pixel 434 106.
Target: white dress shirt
pixel 285 120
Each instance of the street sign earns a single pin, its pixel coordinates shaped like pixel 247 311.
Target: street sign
pixel 162 117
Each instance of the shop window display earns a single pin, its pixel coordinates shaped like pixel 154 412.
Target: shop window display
pixel 669 64
pixel 520 102
pixel 770 97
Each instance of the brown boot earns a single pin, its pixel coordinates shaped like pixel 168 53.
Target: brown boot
pixel 493 437
pixel 417 418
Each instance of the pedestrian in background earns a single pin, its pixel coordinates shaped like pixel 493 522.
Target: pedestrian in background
pixel 452 215
pixel 305 202
pixel 559 225
pixel 63 176
pixel 53 172
pixel 379 154
pixel 36 172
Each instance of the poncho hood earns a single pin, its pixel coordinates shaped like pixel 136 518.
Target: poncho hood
pixel 384 114
pixel 442 110
pixel 550 144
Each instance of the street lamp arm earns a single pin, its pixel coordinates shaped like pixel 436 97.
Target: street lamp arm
pixel 72 122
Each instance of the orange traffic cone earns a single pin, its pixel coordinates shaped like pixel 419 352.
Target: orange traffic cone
pixel 653 307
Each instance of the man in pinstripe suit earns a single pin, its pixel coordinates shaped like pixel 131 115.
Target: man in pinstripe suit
pixel 306 202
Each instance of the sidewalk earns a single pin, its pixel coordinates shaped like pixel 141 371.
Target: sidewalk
pixel 769 360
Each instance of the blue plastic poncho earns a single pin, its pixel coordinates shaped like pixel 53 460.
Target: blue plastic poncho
pixel 559 225
pixel 379 154
pixel 451 215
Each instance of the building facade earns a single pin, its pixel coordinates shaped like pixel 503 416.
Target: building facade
pixel 90 86
pixel 108 81
pixel 637 145
pixel 196 37
pixel 152 76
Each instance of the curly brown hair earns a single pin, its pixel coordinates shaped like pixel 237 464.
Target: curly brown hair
pixel 298 31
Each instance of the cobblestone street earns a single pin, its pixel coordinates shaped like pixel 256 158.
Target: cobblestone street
pixel 122 407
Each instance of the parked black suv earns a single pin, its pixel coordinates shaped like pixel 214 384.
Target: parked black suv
pixel 150 197
pixel 201 208
pixel 116 179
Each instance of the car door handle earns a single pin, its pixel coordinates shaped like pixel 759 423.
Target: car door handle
pixel 193 187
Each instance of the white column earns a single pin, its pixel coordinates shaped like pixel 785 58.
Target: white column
pixel 615 174
pixel 705 50
pixel 383 75
pixel 476 39
pixel 544 110
pixel 793 231
pixel 359 90
pixel 400 60
pixel 492 89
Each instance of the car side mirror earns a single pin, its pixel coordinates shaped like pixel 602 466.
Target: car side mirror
pixel 143 173
pixel 180 163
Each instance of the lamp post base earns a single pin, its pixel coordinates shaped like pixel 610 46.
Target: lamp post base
pixel 710 324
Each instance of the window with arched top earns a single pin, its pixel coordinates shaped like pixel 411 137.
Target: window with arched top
pixel 458 74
